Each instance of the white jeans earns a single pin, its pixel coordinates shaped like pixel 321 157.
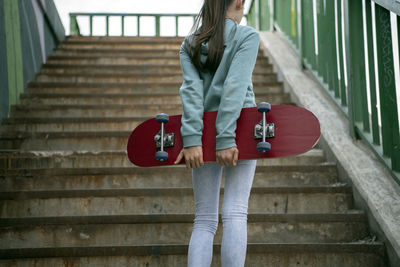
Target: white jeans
pixel 206 186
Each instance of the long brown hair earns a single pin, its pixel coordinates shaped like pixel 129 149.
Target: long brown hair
pixel 212 17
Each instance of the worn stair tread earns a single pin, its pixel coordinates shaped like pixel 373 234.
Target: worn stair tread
pixel 124 84
pixel 27 120
pixel 126 40
pixel 347 216
pixel 174 232
pixel 126 68
pixel 131 170
pixel 46 135
pixel 125 74
pixel 135 94
pixel 174 249
pixel 33 107
pixel 260 59
pixel 130 53
pixel 162 191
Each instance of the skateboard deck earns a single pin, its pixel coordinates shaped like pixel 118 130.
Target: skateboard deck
pixel 296 130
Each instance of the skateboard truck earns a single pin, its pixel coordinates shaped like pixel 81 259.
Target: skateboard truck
pixel 263 129
pixel 162 139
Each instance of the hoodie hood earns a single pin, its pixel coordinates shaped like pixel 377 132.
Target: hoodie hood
pixel 230 28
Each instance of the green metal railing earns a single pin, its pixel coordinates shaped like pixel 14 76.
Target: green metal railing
pixel 75 28
pixel 347 46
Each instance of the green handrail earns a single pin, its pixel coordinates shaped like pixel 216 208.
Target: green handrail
pixel 337 40
pixel 75 29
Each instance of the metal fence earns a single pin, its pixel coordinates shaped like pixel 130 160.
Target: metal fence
pixel 352 49
pixel 75 28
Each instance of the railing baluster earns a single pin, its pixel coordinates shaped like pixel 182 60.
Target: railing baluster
pixel 138 25
pixel 107 25
pixel 122 25
pixel 387 87
pixel 157 25
pixel 357 67
pixel 91 25
pixel 176 26
pixel 371 71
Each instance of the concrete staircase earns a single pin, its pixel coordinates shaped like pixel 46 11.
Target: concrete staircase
pixel 70 197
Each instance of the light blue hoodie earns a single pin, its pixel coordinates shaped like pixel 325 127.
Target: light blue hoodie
pixel 227 90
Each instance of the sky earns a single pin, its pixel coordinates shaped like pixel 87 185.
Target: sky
pixel 64 7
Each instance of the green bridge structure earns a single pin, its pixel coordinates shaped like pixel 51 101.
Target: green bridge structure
pixel 337 58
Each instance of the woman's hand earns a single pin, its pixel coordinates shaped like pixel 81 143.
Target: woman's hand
pixel 227 157
pixel 193 156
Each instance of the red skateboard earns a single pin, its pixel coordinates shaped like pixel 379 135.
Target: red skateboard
pixel 288 131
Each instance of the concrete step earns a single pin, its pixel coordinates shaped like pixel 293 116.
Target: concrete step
pixel 355 254
pixel 164 192
pixel 127 77
pixel 72 124
pixel 80 159
pixel 85 202
pixel 110 59
pixel 18 222
pixel 90 141
pixel 114 59
pixel 102 178
pixel 120 45
pixel 99 52
pixel 264 228
pixel 136 87
pixel 129 98
pixel 145 69
pixel 123 39
pixel 88 111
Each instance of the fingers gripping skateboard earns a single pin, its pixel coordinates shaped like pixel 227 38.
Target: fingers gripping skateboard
pixel 262 131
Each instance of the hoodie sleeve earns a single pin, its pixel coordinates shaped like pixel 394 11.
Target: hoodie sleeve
pixel 191 93
pixel 234 91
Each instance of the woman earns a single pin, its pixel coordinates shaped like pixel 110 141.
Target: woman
pixel 217 62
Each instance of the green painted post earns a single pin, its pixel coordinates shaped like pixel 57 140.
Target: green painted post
pixel 371 70
pixel 321 41
pixel 14 51
pixel 387 87
pixel 122 25
pixel 157 25
pixel 91 25
pixel 332 69
pixel 259 16
pixel 342 84
pixel 176 26
pixel 138 25
pixel 264 15
pixel 300 32
pixel 398 32
pixel 308 34
pixel 107 25
pixel 73 25
pixel 347 47
pixel 357 91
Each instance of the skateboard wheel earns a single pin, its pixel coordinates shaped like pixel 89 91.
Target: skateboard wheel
pixel 263 147
pixel 162 118
pixel 264 107
pixel 161 155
